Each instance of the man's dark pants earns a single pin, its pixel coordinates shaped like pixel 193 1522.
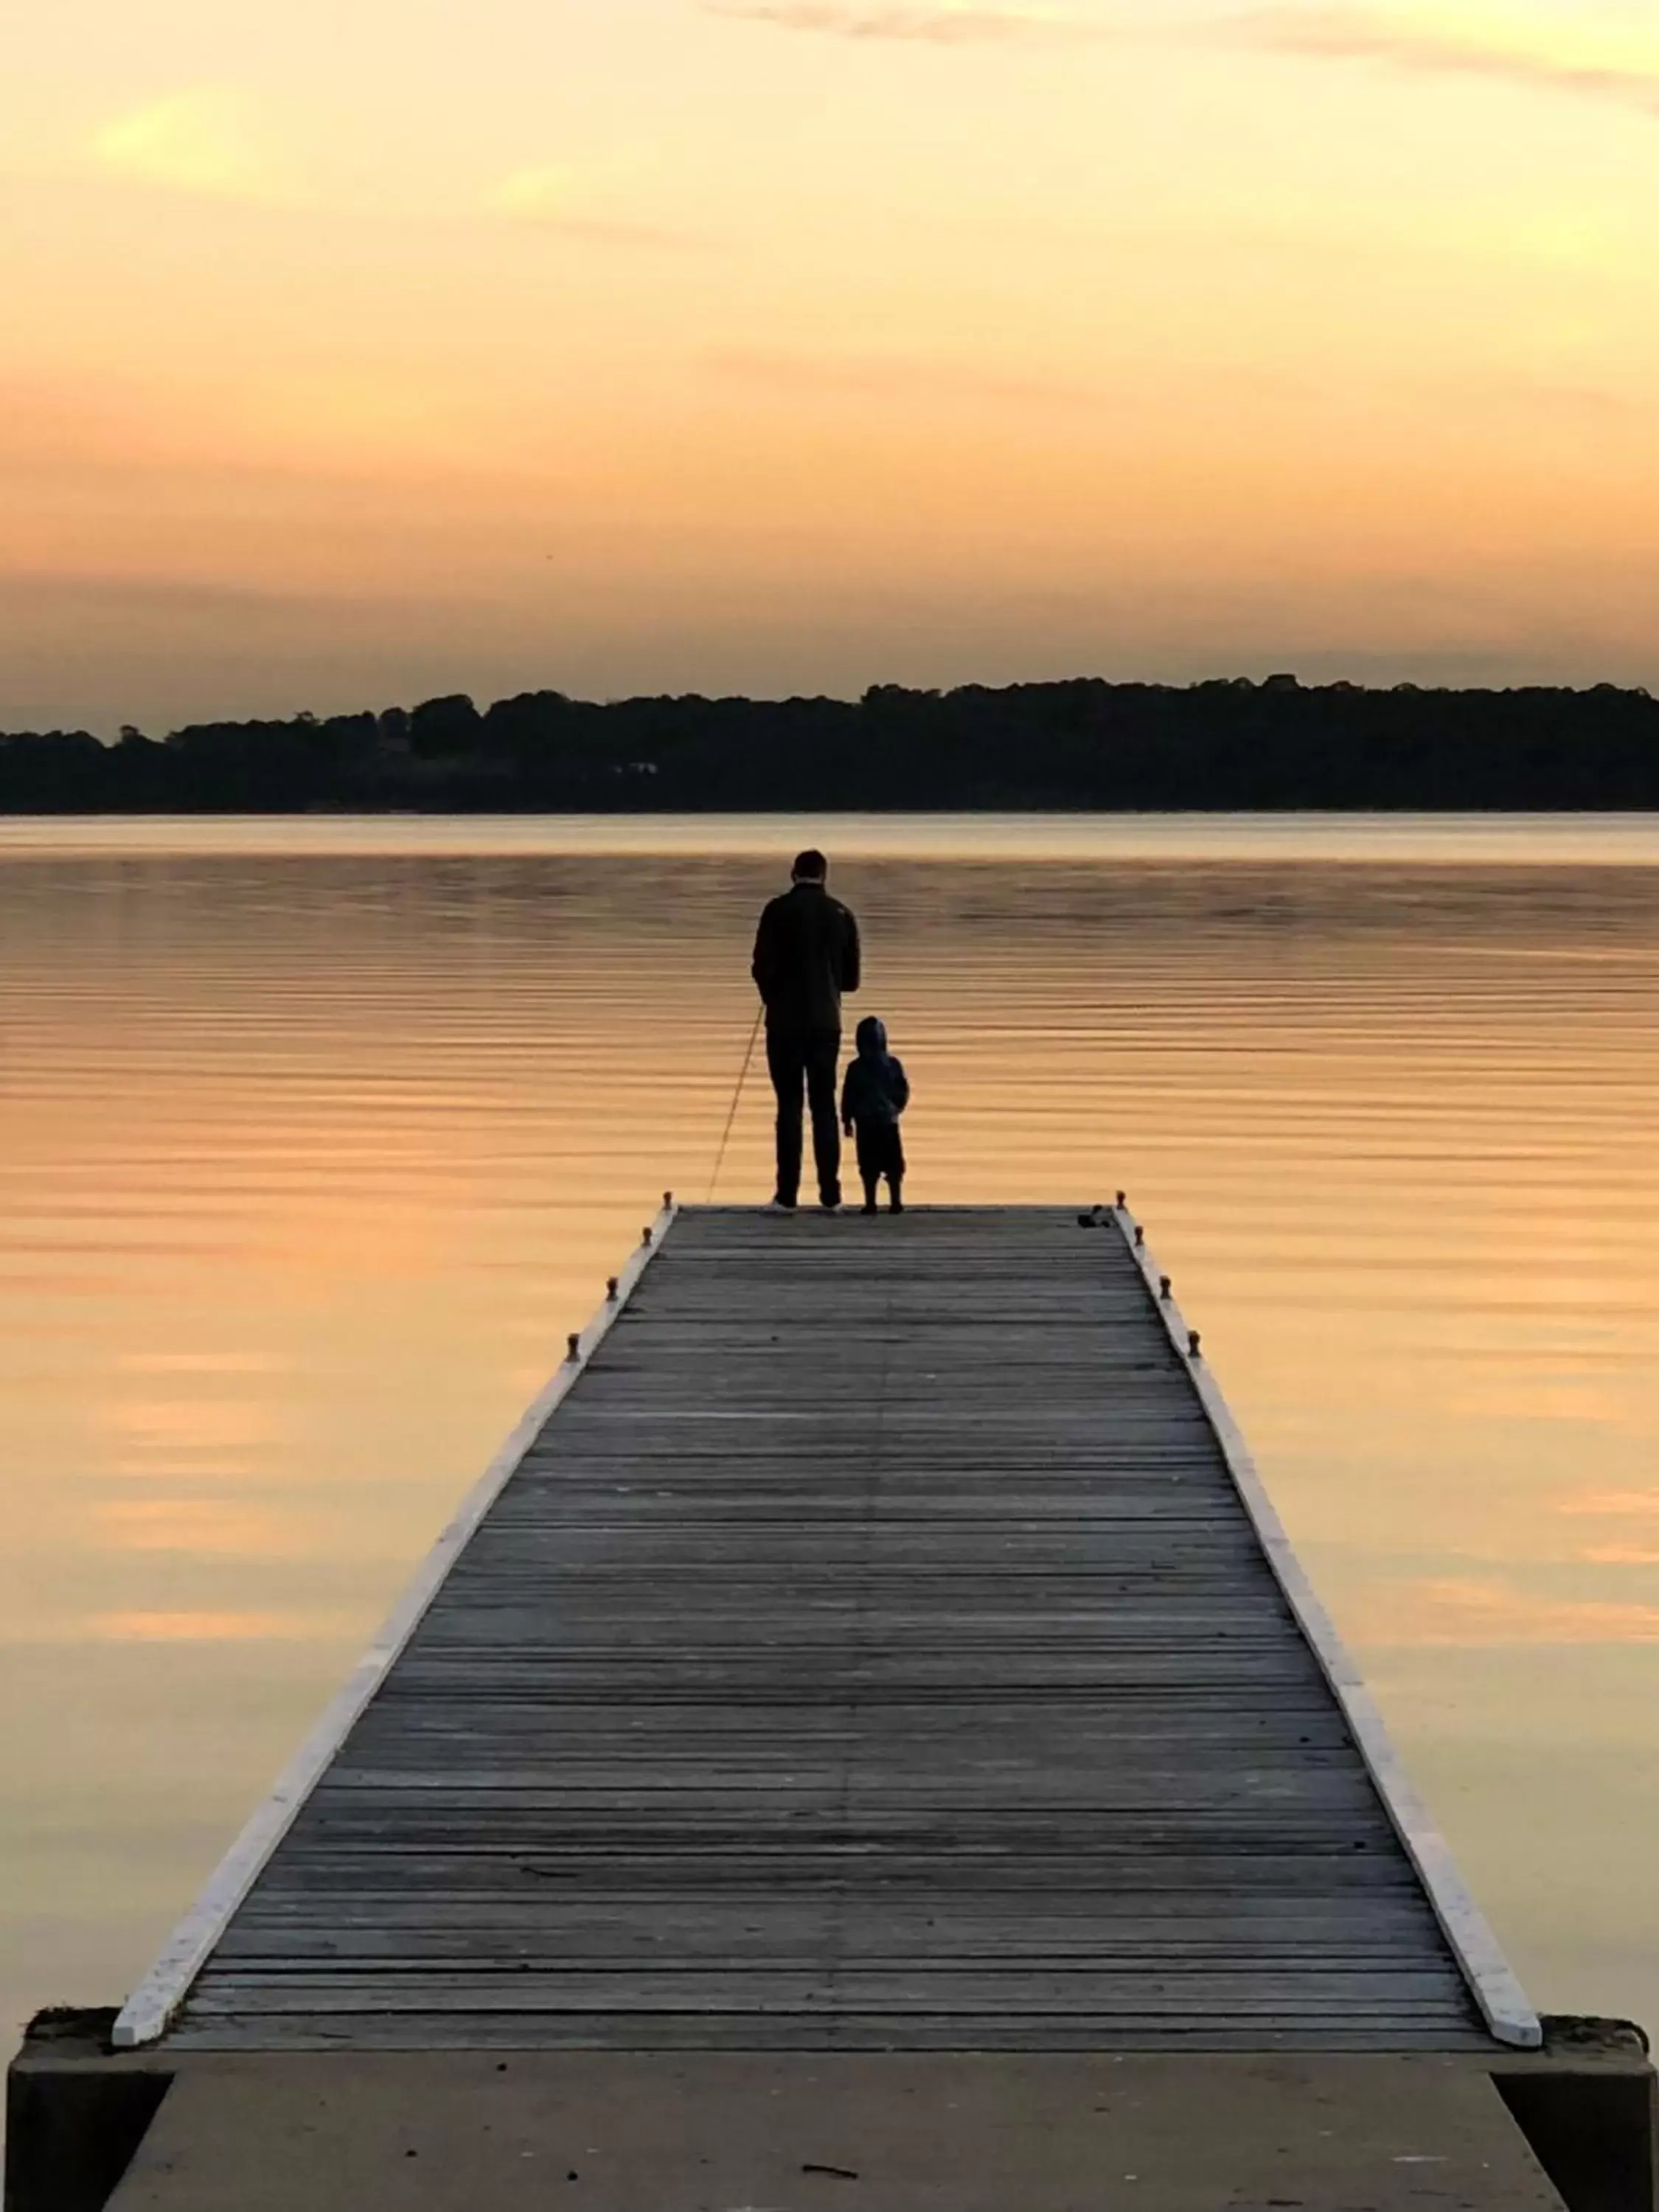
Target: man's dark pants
pixel 794 1057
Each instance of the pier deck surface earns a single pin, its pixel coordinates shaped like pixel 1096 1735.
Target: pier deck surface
pixel 873 1651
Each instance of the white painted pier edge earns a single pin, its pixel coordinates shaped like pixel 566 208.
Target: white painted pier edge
pixel 148 2012
pixel 1490 1978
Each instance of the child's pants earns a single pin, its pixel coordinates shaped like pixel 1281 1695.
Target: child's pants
pixel 881 1152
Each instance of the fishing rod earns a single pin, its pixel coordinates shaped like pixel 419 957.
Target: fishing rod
pixel 743 1076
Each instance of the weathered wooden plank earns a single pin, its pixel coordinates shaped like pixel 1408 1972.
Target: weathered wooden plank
pixel 968 1992
pixel 487 2030
pixel 684 1869
pixel 755 1931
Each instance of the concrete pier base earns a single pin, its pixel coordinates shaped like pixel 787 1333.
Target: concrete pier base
pixel 451 2131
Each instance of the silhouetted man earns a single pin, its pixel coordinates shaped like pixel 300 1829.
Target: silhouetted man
pixel 806 954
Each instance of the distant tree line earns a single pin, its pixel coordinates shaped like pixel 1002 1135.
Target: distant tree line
pixel 1083 744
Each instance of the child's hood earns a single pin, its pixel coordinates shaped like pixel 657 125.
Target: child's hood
pixel 872 1035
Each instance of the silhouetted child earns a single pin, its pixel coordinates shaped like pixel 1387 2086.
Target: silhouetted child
pixel 875 1093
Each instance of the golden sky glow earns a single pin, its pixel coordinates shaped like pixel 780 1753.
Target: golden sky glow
pixel 352 354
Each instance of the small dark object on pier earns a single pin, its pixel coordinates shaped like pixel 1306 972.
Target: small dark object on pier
pixel 1191 1343
pixel 574 1343
pixel 610 1290
pixel 1164 1286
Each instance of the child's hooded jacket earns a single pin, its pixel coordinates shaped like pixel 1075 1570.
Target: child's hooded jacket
pixel 876 1090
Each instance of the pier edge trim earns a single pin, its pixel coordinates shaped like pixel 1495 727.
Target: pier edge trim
pixel 1479 1956
pixel 150 2010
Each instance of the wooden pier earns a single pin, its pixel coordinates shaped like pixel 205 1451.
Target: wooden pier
pixel 876 1639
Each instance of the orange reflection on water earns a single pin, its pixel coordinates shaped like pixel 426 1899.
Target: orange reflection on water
pixel 1471 1612
pixel 183 1429
pixel 214 1627
pixel 207 1527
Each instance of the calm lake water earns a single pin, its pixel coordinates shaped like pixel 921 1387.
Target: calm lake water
pixel 316 1138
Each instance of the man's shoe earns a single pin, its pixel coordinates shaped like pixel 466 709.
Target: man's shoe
pixel 779 1206
pixel 869 1206
pixel 897 1206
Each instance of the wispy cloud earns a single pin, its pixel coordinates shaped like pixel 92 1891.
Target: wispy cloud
pixel 203 140
pixel 1518 45
pixel 923 23
pixel 928 383
pixel 892 376
pixel 931 381
pixel 554 196
pixel 548 191
pixel 1517 50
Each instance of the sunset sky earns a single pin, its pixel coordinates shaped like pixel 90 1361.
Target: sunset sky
pixel 352 352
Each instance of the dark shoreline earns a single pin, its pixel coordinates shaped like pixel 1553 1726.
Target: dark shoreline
pixel 1085 746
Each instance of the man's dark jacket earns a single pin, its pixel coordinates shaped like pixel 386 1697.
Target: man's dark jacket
pixel 806 954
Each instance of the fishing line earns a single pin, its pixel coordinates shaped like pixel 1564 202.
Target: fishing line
pixel 742 1077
